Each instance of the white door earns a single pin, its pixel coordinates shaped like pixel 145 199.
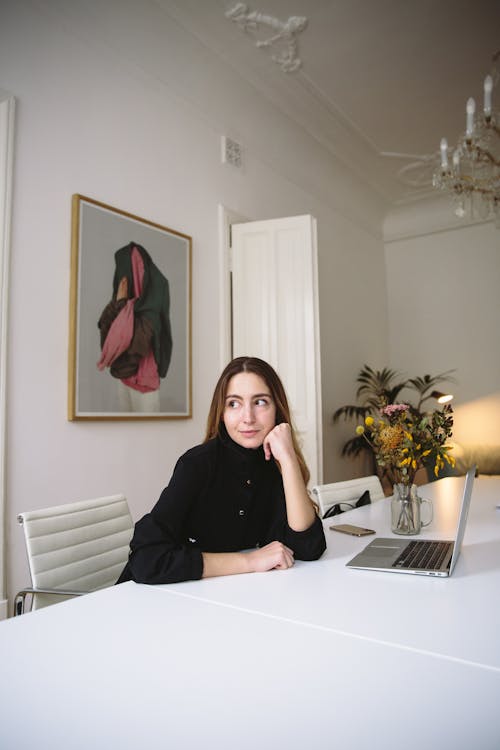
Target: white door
pixel 275 315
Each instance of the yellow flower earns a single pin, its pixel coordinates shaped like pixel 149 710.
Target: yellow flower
pixel 360 429
pixel 369 421
pixel 391 437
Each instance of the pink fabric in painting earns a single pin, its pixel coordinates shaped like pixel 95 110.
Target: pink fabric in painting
pixel 146 378
pixel 120 335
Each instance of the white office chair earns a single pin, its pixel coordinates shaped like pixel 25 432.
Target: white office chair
pixel 346 494
pixel 74 549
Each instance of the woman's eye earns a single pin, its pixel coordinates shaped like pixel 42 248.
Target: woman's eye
pixel 261 402
pixel 232 404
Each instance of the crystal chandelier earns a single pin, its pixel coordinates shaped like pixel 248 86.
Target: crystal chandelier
pixel 471 171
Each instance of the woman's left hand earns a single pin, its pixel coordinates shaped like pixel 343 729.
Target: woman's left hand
pixel 278 443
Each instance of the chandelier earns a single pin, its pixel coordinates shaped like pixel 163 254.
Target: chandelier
pixel 471 171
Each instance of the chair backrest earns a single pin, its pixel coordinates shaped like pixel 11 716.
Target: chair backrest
pixel 339 493
pixel 80 546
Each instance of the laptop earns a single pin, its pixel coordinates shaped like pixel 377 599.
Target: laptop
pixel 420 557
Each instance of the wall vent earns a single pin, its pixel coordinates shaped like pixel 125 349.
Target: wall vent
pixel 231 152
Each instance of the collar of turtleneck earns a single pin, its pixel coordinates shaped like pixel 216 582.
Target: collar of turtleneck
pixel 253 456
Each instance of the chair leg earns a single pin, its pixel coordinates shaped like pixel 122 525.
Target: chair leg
pixel 20 603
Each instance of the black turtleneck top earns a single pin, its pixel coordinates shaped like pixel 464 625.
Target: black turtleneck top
pixel 221 498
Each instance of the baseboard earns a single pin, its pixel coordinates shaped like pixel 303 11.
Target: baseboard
pixel 3 609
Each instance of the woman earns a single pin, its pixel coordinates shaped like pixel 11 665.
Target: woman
pixel 238 502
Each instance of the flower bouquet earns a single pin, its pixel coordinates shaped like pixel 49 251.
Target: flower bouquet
pixel 404 440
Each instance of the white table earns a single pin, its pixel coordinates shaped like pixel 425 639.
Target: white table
pixel 261 662
pixel 132 667
pixel 457 617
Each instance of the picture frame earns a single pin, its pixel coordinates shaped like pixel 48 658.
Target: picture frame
pixel 130 317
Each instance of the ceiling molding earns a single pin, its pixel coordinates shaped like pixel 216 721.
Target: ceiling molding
pixel 284 34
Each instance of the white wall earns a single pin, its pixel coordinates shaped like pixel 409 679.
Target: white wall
pixel 124 107
pixel 353 321
pixel 443 283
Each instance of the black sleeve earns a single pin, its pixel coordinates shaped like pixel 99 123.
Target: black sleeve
pixel 306 545
pixel 160 553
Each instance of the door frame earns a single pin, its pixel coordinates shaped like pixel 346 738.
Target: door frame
pixel 7 110
pixel 226 217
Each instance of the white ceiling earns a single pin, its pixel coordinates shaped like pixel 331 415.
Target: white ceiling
pixel 377 76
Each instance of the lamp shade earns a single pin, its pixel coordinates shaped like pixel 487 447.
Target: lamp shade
pixel 442 398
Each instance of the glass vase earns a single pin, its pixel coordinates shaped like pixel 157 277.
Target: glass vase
pixel 406 517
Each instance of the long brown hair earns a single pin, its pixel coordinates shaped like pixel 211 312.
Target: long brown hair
pixel 270 377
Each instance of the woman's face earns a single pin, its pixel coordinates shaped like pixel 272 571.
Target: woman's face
pixel 249 411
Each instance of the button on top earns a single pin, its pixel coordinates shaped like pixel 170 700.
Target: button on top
pixel 249 481
pixel 242 512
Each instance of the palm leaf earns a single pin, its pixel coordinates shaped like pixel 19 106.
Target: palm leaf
pixel 377 388
pixel 354 446
pixel 351 411
pixel 426 382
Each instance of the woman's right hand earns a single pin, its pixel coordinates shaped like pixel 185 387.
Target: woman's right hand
pixel 273 556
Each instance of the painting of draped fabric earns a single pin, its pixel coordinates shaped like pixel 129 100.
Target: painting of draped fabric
pixel 130 316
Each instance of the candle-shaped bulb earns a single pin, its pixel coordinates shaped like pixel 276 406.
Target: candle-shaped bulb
pixel 444 153
pixel 471 108
pixel 488 88
pixel 456 160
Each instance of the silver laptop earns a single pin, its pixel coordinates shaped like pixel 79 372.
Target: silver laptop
pixel 418 556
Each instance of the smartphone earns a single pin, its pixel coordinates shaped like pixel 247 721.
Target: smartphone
pixel 346 528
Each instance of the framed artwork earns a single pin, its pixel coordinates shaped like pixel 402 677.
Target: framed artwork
pixel 130 317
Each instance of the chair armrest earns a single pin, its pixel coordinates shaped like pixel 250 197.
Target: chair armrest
pixel 20 598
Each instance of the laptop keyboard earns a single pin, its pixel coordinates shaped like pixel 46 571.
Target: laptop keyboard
pixel 423 555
